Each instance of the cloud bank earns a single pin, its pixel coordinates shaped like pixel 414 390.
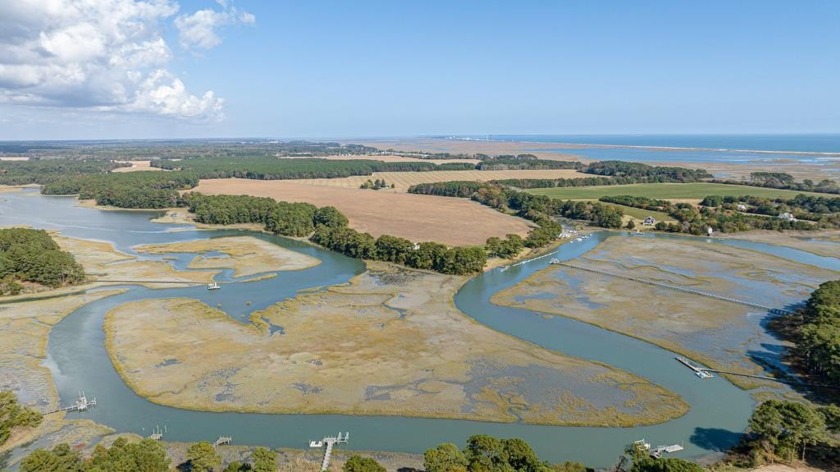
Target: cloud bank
pixel 106 55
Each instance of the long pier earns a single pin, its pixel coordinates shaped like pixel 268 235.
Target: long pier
pixel 775 311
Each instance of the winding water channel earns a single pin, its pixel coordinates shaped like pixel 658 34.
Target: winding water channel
pixel 78 360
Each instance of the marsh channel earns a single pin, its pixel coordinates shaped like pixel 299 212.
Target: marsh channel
pixel 78 360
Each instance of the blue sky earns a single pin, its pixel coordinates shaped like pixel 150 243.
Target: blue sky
pixel 248 68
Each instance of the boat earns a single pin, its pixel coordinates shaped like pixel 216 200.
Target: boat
pixel 214 286
pixel 316 444
pixel 554 261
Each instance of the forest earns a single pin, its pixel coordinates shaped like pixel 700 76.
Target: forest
pixel 150 190
pixel 272 168
pixel 614 173
pixel 44 171
pixel 31 255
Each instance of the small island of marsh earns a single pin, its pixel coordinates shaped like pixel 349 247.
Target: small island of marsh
pixel 246 255
pixel 389 343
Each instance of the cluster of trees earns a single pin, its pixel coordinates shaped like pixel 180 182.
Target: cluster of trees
pixel 721 213
pixel 789 430
pixel 153 190
pixel 14 415
pixel 487 453
pixel 505 248
pixel 43 171
pixel 283 218
pixel 823 210
pixel 459 260
pixel 146 455
pixel 650 204
pixel 272 168
pixel 377 184
pixel 696 221
pixel 538 208
pixel 816 333
pixel 31 255
pixel 523 161
pixel 646 172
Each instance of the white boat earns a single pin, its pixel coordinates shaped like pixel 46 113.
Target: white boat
pixel 213 286
pixel 316 444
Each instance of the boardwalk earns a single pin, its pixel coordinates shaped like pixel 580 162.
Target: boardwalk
pixel 775 311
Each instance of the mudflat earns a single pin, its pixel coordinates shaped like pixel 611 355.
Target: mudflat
pixel 246 255
pixel 389 343
pixel 721 334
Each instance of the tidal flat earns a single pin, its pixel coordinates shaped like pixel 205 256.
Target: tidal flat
pixel 246 255
pixel 718 333
pixel 390 342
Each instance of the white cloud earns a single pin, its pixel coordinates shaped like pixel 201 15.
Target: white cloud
pixel 200 29
pixel 103 55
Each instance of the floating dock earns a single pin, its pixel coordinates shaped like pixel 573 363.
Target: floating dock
pixel 329 442
pixel 656 452
pixel 698 371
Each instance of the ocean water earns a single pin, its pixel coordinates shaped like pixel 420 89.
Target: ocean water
pixel 780 150
pixel 792 143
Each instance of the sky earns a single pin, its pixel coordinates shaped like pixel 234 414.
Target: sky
pixel 145 69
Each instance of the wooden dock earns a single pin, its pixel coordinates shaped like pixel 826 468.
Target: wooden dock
pixel 82 404
pixel 329 442
pixel 775 311
pixel 699 371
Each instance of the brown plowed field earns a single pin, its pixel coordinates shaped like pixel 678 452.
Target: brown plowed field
pixel 452 221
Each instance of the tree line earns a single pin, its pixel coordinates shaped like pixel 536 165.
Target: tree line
pixel 272 168
pixel 523 162
pixel 722 214
pixel 815 330
pixel 31 255
pixel 328 227
pixel 782 180
pixel 538 208
pixel 822 210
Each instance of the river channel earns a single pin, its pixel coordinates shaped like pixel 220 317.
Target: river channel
pixel 78 360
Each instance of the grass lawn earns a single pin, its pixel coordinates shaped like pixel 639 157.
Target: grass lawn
pixel 695 191
pixel 640 214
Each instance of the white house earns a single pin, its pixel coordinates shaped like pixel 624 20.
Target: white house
pixel 649 221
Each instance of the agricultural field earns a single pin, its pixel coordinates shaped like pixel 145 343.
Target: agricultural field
pixel 452 221
pixel 390 342
pixel 403 180
pixel 690 191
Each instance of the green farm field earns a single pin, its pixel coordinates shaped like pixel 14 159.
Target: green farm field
pixel 692 191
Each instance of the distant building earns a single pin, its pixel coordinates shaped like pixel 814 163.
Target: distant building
pixel 787 217
pixel 742 207
pixel 649 221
